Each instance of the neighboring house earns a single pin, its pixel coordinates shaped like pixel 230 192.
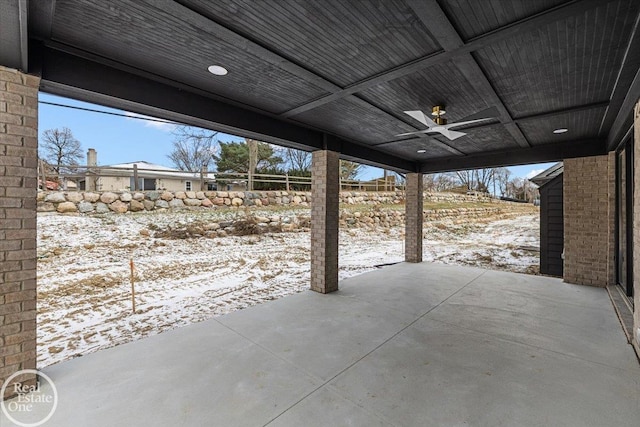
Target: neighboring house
pixel 551 219
pixel 120 177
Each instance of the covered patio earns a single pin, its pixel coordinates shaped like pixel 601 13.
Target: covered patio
pixel 367 81
pixel 407 345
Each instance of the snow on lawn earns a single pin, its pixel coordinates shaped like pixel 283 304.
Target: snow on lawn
pixel 84 288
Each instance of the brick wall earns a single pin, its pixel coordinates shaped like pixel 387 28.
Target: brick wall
pixel 587 225
pixel 325 193
pixel 611 181
pixel 413 215
pixel 18 158
pixel 636 229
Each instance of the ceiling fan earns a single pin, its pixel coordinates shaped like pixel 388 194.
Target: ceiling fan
pixel 439 124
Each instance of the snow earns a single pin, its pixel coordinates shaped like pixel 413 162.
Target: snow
pixel 84 288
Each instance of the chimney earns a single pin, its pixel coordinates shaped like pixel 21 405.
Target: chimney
pixel 92 157
pixel 90 178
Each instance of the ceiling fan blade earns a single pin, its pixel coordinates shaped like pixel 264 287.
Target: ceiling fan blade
pixel 414 133
pixel 487 112
pixel 452 134
pixel 421 117
pixel 468 122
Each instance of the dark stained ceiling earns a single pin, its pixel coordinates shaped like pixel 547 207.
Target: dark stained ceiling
pixel 338 74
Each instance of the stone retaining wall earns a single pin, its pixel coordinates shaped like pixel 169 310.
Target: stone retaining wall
pixel 97 202
pixel 374 218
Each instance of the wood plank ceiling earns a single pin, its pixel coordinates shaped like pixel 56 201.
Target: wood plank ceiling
pixel 348 69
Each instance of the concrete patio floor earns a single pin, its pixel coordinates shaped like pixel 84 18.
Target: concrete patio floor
pixel 407 345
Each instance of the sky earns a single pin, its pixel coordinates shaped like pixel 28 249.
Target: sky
pixel 131 138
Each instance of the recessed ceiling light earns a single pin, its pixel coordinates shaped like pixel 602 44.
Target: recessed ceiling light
pixel 217 70
pixel 422 151
pixel 561 130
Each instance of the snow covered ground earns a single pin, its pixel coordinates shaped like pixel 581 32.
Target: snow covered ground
pixel 84 287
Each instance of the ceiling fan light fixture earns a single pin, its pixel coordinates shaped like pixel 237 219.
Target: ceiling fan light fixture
pixel 438 110
pixel 422 151
pixel 560 130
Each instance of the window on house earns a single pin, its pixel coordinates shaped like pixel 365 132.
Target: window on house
pixel 187 185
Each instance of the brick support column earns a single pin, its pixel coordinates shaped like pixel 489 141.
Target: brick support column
pixel 413 218
pixel 18 186
pixel 587 221
pixel 325 196
pixel 636 229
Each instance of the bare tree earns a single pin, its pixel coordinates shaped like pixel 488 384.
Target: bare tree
pixel 466 178
pixel 483 178
pixel 502 177
pixel 349 170
pixel 193 148
pixel 440 181
pixel 60 148
pixel 297 160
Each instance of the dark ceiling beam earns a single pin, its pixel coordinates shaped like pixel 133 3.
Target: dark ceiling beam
pixel 625 115
pixel 14 51
pixel 621 101
pixel 536 154
pixel 559 112
pixel 528 24
pixel 203 20
pixel 41 18
pixel 434 18
pixel 478 79
pixel 68 75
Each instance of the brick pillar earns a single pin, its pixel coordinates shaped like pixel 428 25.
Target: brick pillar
pixel 18 186
pixel 413 218
pixel 325 196
pixel 587 225
pixel 636 229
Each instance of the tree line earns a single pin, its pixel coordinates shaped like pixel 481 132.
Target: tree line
pixel 194 149
pixel 498 181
